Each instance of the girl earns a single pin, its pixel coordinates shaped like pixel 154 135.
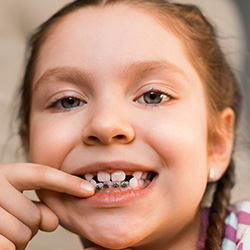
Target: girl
pixel 128 112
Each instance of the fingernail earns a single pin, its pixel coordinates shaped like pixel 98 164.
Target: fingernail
pixel 87 187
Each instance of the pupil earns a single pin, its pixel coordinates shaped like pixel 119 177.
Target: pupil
pixel 70 102
pixel 153 98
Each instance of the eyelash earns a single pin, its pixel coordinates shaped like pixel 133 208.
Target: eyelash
pixel 57 103
pixel 163 95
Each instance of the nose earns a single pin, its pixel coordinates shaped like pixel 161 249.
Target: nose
pixel 108 125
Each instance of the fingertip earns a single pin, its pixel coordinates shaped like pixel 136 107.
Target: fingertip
pixel 87 188
pixel 52 226
pixel 49 221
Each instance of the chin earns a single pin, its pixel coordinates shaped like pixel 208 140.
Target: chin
pixel 110 232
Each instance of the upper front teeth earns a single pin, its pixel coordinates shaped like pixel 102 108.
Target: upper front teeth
pixel 115 176
pixel 103 176
pixel 118 176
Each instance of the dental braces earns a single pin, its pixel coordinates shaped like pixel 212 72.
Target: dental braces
pixel 106 185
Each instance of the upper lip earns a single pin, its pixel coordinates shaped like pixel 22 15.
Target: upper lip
pixel 110 167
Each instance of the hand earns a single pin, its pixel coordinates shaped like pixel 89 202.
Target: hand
pixel 20 218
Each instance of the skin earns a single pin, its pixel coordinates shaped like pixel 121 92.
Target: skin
pixel 20 223
pixel 111 110
pixel 113 121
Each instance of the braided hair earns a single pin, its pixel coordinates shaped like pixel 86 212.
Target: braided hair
pixel 218 210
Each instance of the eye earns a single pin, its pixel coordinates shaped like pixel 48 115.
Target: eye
pixel 71 102
pixel 68 103
pixel 154 97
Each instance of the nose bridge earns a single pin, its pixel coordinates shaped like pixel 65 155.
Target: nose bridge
pixel 109 115
pixel 109 122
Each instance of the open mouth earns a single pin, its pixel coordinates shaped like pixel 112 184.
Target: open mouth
pixel 119 180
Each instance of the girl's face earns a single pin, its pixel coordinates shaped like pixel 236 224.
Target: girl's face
pixel 114 90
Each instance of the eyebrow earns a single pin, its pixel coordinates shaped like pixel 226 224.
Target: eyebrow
pixel 65 74
pixel 142 68
pixel 134 70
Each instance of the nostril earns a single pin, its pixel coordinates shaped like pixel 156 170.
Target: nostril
pixel 93 138
pixel 120 136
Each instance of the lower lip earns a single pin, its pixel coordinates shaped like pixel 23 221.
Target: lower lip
pixel 118 199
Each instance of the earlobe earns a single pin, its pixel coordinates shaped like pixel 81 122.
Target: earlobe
pixel 221 145
pixel 211 175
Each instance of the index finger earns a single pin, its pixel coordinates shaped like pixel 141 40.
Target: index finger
pixel 33 177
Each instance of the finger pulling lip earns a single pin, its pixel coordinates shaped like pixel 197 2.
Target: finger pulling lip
pixel 118 199
pixel 111 196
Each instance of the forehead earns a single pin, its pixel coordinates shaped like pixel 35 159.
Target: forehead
pixel 117 34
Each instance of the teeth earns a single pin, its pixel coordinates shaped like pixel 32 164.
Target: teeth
pixel 115 185
pixel 118 176
pixel 98 186
pixel 124 184
pixel 141 182
pixel 133 183
pixel 103 176
pixel 117 181
pixel 137 175
pixel 144 176
pixel 107 184
pixel 93 182
pixel 88 177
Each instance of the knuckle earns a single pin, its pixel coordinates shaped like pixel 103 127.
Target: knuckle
pixel 23 235
pixel 41 171
pixel 36 216
pixel 42 174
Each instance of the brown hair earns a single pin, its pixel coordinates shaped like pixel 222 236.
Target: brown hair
pixel 199 38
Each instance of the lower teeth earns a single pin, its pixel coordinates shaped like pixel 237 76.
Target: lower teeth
pixel 115 185
pixel 118 186
pixel 98 187
pixel 124 184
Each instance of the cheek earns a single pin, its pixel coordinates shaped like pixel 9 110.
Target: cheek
pixel 51 140
pixel 179 138
pixel 181 142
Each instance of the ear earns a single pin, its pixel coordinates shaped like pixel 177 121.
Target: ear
pixel 221 145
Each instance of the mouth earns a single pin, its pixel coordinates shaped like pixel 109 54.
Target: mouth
pixel 119 181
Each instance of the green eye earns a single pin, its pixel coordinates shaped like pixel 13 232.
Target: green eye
pixel 153 97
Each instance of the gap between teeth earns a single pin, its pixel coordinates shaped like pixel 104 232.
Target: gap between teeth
pixel 116 179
